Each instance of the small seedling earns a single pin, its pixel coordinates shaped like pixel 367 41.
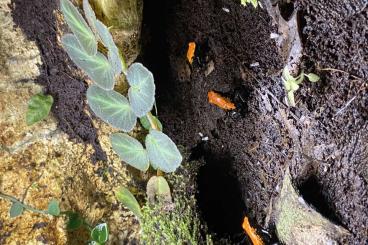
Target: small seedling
pixel 255 3
pixel 98 235
pixel 39 107
pixel 292 83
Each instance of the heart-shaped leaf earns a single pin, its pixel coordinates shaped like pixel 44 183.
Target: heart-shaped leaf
pixel 111 107
pixel 39 107
pixel 53 208
pixel 142 89
pixel 128 200
pixel 158 188
pixel 312 77
pixel 100 233
pixel 147 125
pixel 79 27
pixel 97 67
pixel 130 150
pixel 74 221
pixel 16 209
pixel 162 151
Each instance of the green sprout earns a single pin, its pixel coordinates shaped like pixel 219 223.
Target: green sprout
pixel 292 83
pixel 255 3
pixel 39 107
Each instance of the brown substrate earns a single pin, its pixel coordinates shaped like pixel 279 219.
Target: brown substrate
pixel 251 146
pixel 37 19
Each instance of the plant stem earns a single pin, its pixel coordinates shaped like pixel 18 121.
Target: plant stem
pixel 152 121
pixel 25 206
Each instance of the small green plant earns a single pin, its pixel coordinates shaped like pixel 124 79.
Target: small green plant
pixel 292 83
pixel 39 107
pixel 255 3
pixel 116 109
pixel 98 234
pixel 121 112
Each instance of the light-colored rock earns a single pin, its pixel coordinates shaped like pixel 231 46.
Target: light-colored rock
pixel 299 224
pixel 39 162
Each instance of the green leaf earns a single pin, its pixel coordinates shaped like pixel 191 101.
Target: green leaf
pixel 291 98
pixel 157 186
pixel 108 42
pixel 130 151
pixel 90 15
pixel 97 67
pixel 74 222
pixel 142 89
pixel 79 27
pixel 53 208
pixel 147 125
pixel 312 77
pixel 115 61
pixel 162 151
pixel 39 107
pixel 16 209
pixel 111 107
pixel 100 233
pixel 128 200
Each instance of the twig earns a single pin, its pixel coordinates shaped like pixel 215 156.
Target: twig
pixel 345 106
pixel 345 72
pixel 25 206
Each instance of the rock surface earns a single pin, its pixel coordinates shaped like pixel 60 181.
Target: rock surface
pixel 40 162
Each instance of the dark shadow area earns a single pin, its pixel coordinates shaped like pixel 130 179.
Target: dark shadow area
pixel 155 48
pixel 37 20
pixel 312 193
pixel 219 196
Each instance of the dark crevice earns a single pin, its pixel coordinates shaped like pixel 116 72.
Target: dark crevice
pixel 219 196
pixel 312 193
pixel 37 20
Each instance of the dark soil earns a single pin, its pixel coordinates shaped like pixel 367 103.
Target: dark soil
pixel 323 140
pixel 59 76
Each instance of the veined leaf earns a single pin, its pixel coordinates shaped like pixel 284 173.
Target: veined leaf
pixel 79 27
pixel 127 199
pixel 16 209
pixel 142 89
pixel 111 107
pixel 100 233
pixel 115 61
pixel 97 67
pixel 158 188
pixel 147 125
pixel 90 15
pixel 130 150
pixel 39 107
pixel 109 43
pixel 162 151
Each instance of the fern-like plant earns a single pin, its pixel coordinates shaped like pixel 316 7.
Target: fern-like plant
pixel 114 108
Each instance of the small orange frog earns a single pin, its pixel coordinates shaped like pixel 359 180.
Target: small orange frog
pixel 191 51
pixel 222 102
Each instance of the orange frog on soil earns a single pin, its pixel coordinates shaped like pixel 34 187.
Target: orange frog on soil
pixel 222 102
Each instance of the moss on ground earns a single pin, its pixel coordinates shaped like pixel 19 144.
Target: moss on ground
pixel 179 222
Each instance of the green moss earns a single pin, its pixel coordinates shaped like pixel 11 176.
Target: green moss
pixel 178 222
